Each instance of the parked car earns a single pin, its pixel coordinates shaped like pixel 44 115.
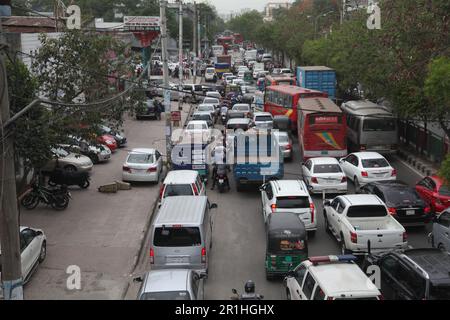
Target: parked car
pixel 108 141
pixel 142 164
pixel 263 120
pixel 182 183
pixel 120 138
pixel 152 109
pixel 33 250
pixel 95 151
pixel 440 235
pixel 324 174
pixel 414 274
pixel 69 161
pixel 204 115
pixel 285 143
pixel 243 107
pixel 365 167
pixel 289 196
pixel 172 284
pixel 435 192
pixel 330 278
pixel 403 202
pixel 356 219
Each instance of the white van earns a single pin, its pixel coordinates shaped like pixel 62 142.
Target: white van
pixel 182 183
pixel 181 234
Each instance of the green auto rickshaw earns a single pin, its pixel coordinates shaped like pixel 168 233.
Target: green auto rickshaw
pixel 287 243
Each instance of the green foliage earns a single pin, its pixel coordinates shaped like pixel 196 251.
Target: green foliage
pixel 444 171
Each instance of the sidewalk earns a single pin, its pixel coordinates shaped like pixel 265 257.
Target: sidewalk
pixel 418 162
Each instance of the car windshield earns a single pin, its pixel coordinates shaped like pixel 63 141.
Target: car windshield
pixel 327 168
pixel 209 70
pixel 379 125
pixel 375 163
pixel 167 295
pixel 292 202
pixel 444 191
pixel 366 211
pixel 241 108
pixel 178 190
pixel 142 158
pixel 440 292
pixel 177 237
pixel 401 196
pixel 263 118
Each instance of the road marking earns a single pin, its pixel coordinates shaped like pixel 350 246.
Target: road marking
pixel 420 174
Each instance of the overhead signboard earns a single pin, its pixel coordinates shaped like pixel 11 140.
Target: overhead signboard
pixel 141 23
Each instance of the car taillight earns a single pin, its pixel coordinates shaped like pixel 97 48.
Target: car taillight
pixel 126 168
pixel 362 147
pixel 152 169
pixel 344 179
pixel 427 209
pixel 353 237
pixel 194 187
pixel 288 147
pixel 405 236
pixel 394 173
pixel 203 255
pixel 314 180
pixel 311 206
pixel 273 207
pixel 152 256
pixel 161 190
pixel 392 211
pixel 364 174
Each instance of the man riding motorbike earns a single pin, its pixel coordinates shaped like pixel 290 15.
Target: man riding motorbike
pixel 249 294
pixel 219 162
pixel 223 114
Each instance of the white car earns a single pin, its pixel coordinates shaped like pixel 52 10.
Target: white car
pixel 212 100
pixel 324 175
pixel 200 129
pixel 229 79
pixel 210 74
pixel 266 57
pixel 256 72
pixel 289 196
pixel 33 250
pixel 182 183
pixel 286 71
pixel 241 74
pixel 263 120
pixel 211 108
pixel 330 278
pixel 142 164
pixel 285 143
pixel 365 167
pixel 243 107
pixel 214 94
pixel 238 81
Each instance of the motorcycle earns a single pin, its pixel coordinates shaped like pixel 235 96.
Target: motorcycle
pixel 246 296
pixel 223 116
pixel 63 177
pixel 58 198
pixel 222 178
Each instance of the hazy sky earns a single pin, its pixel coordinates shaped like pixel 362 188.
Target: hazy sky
pixel 225 6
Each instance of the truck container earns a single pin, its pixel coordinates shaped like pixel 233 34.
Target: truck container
pixel 221 68
pixel 319 78
pixel 224 59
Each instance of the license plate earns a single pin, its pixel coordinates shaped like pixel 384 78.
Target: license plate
pixel 177 260
pixel 221 180
pixel 410 212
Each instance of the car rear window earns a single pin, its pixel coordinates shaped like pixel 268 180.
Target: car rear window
pixel 198 88
pixel 327 168
pixel 241 108
pixel 366 211
pixel 141 158
pixel 444 191
pixel 263 118
pixel 178 190
pixel 379 125
pixel 292 202
pixel 375 163
pixel 205 117
pixel 401 196
pixel 166 295
pixel 238 126
pixel 177 237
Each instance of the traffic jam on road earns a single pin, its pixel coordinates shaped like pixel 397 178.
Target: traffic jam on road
pixel 270 180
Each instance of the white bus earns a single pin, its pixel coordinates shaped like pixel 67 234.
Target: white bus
pixel 370 127
pixel 217 50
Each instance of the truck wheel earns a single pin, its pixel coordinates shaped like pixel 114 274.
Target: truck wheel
pixel 356 182
pixel 344 249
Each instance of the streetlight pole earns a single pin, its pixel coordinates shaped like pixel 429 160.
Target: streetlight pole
pixel 316 21
pixel 180 51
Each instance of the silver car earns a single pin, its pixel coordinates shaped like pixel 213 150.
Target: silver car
pixel 173 284
pixel 440 236
pixel 68 160
pixel 285 143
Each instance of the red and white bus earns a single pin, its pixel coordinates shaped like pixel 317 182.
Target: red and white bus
pixel 226 42
pixel 272 80
pixel 283 100
pixel 322 128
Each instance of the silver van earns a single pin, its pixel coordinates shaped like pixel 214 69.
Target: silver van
pixel 182 234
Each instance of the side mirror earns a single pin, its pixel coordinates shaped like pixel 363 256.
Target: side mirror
pixel 213 206
pixel 291 273
pixel 234 291
pixel 39 233
pixel 138 279
pixel 342 160
pixel 327 203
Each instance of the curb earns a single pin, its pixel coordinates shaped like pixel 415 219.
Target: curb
pixel 423 168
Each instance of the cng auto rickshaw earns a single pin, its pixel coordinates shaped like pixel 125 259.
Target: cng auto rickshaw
pixel 287 244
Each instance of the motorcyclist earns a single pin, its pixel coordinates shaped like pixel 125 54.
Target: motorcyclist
pixel 223 114
pixel 249 293
pixel 219 157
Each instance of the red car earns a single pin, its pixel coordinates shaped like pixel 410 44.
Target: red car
pixel 433 190
pixel 108 140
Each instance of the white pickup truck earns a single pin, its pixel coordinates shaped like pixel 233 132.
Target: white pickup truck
pixel 356 219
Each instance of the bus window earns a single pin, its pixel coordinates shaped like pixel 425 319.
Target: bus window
pixel 379 124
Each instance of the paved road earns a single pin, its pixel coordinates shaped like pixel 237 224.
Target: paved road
pixel 100 233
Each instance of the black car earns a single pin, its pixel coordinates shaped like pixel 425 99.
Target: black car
pixel 403 202
pixel 118 136
pixel 415 274
pixel 151 109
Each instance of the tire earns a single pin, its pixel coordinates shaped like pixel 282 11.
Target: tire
pixel 356 183
pixel 30 201
pixel 85 184
pixel 70 168
pixel 441 247
pixel 221 188
pixel 344 249
pixel 288 295
pixel 43 252
pixel 94 159
pixel 327 224
pixel 60 202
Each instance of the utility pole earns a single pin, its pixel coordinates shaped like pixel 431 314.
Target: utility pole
pixel 9 216
pixel 180 51
pixel 199 44
pixel 167 108
pixel 194 32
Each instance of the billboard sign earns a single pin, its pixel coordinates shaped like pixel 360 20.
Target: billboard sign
pixel 141 23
